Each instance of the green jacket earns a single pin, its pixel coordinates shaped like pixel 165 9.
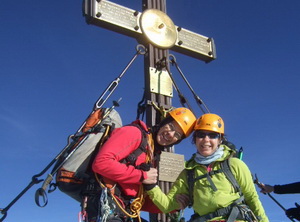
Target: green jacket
pixel 205 199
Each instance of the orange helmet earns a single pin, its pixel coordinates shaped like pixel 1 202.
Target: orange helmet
pixel 185 119
pixel 210 122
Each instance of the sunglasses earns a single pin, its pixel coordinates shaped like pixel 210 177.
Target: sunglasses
pixel 211 135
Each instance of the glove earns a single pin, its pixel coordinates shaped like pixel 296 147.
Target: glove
pixel 144 166
pixel 293 213
pixel 149 186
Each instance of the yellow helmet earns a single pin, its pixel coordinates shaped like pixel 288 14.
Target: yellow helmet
pixel 210 122
pixel 185 119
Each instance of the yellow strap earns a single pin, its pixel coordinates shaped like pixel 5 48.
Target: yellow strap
pixel 150 151
pixel 162 110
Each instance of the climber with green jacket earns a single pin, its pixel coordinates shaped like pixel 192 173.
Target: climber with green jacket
pixel 205 182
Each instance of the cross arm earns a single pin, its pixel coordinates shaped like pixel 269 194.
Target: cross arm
pixel 126 21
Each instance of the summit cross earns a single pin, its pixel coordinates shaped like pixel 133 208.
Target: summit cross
pixel 156 31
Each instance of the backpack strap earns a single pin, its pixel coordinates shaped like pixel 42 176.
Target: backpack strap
pixel 190 180
pixel 225 166
pixel 131 158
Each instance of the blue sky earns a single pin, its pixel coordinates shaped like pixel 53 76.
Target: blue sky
pixel 54 67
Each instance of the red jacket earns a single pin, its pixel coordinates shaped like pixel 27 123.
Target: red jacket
pixel 122 142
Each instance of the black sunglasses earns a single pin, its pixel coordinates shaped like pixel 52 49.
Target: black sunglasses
pixel 211 135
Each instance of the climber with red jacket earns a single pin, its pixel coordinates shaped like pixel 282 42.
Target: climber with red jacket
pixel 126 162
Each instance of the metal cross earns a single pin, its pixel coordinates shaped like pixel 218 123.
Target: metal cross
pixel 156 31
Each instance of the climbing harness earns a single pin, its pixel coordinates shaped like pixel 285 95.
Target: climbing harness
pixel 259 184
pixel 77 138
pixel 236 211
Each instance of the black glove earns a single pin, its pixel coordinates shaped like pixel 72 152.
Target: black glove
pixel 149 186
pixel 293 213
pixel 144 166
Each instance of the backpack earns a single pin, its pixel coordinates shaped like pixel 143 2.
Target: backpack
pixel 75 164
pixel 75 176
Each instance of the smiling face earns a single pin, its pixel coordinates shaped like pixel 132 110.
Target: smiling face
pixel 207 142
pixel 169 134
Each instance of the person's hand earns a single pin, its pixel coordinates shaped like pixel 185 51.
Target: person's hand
pixel 151 176
pixel 183 200
pixel 151 180
pixel 265 188
pixel 293 213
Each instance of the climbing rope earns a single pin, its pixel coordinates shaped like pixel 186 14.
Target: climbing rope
pixel 135 206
